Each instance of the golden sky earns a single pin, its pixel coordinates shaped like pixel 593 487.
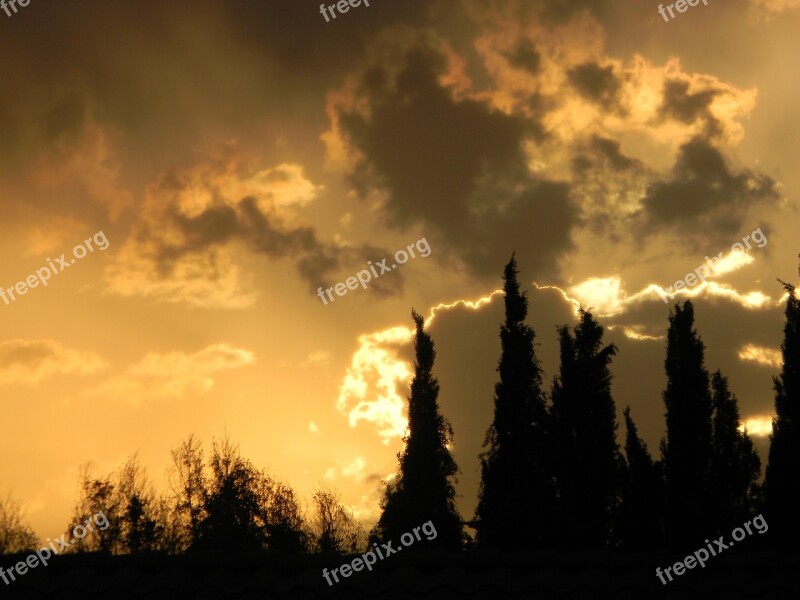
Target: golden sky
pixel 237 156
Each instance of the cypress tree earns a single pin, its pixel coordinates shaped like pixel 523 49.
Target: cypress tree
pixel 782 486
pixel 734 462
pixel 687 448
pixel 516 496
pixel 423 490
pixel 641 519
pixel 589 466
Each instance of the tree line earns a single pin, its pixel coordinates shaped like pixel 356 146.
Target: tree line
pixel 553 475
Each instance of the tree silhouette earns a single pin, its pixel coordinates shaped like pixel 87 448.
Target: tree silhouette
pixel 687 448
pixel 137 519
pixel 281 517
pixel 641 525
pixel 588 464
pixel 335 529
pixel 98 494
pixel 231 503
pixel 423 490
pixel 141 529
pixel 516 496
pixel 15 534
pixel 188 491
pixel 782 487
pixel 734 462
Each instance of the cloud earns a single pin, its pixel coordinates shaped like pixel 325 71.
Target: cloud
pixel 757 426
pixel 597 84
pixel 196 225
pixel 172 375
pixel 375 383
pixel 408 125
pixel 315 360
pixel 768 357
pixel 353 470
pixel 74 148
pixel 607 295
pixel 773 8
pixel 558 123
pixel 704 196
pixel 369 390
pixel 32 361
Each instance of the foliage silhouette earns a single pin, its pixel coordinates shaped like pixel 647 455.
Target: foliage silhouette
pixel 686 450
pixel 334 529
pixel 15 534
pixel 423 489
pixel 516 497
pixel 641 524
pixel 735 465
pixel 782 487
pixel 586 459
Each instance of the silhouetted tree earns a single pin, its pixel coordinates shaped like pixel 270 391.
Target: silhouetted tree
pixel 244 509
pixel 641 524
pixel 735 465
pixel 188 491
pixel 231 503
pixel 782 485
pixel 141 530
pixel 282 519
pixel 516 498
pixel 15 534
pixel 423 490
pixel 687 448
pixel 97 495
pixel 136 518
pixel 587 461
pixel 334 528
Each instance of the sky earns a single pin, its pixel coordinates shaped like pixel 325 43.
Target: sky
pixel 229 162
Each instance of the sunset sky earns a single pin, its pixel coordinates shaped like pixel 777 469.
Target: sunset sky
pixel 238 155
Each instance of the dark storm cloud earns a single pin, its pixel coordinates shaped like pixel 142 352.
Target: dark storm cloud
pixel 66 119
pixel 560 11
pixel 596 83
pixel 682 105
pixel 181 67
pixel 456 165
pixel 705 195
pixel 601 152
pixel 265 234
pixel 526 57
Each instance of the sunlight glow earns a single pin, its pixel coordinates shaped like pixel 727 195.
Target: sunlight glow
pixel 371 388
pixel 758 426
pixel 769 357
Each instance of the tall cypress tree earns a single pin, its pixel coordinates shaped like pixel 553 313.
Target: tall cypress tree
pixel 641 525
pixel 423 490
pixel 782 486
pixel 516 496
pixel 734 462
pixel 589 466
pixel 687 448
